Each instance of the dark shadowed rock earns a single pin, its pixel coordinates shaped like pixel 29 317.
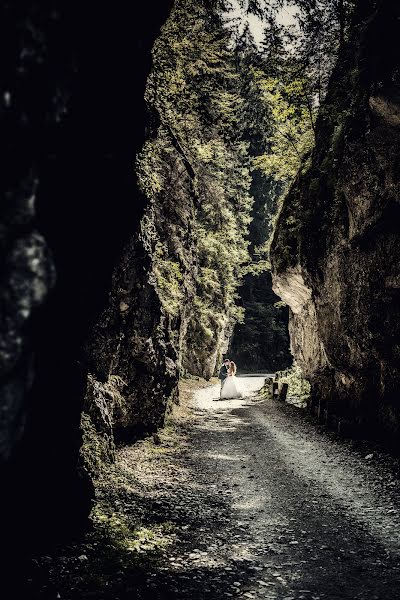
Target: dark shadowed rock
pixel 72 117
pixel 132 342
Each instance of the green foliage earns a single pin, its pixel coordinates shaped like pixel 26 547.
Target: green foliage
pixel 292 122
pixel 169 280
pixel 97 449
pixel 287 88
pixel 261 341
pixel 299 388
pixel 195 170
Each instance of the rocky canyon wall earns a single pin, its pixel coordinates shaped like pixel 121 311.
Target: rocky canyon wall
pixel 336 249
pixel 72 118
pixel 134 350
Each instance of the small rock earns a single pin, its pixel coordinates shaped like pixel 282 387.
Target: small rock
pixel 82 557
pixel 156 439
pixel 369 456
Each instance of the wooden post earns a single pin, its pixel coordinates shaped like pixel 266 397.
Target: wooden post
pixel 283 392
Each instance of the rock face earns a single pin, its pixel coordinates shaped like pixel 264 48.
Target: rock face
pixel 133 347
pixel 336 250
pixel 72 116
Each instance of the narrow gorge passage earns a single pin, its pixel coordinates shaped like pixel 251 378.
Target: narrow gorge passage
pixel 185 182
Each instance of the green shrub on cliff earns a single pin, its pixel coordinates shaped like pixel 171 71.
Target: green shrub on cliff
pixel 169 280
pixel 103 401
pixel 97 450
pixel 195 170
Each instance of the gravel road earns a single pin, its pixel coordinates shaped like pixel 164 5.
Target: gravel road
pixel 253 500
pixel 274 508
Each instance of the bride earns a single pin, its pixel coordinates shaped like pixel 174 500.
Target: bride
pixel 231 387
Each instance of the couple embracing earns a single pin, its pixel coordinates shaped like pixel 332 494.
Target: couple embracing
pixel 229 383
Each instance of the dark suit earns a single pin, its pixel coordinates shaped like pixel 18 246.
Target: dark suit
pixel 223 373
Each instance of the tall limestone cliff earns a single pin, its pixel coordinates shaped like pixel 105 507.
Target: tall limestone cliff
pixel 336 251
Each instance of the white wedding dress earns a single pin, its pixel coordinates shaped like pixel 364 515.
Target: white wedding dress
pixel 231 388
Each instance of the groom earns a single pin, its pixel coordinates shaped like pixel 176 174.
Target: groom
pixel 223 372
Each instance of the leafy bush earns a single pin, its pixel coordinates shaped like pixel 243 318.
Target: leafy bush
pixel 299 388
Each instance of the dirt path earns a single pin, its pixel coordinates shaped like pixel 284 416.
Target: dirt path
pixel 276 509
pixel 254 502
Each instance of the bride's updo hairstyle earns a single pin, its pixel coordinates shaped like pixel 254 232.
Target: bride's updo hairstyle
pixel 233 367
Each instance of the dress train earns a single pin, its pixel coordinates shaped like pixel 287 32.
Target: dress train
pixel 231 388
